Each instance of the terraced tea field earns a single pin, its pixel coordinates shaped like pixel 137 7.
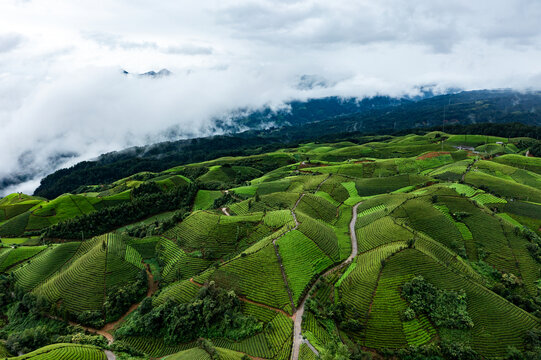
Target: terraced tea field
pixel 288 254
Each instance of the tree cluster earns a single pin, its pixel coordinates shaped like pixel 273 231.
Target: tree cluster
pixel 213 313
pixel 120 297
pixel 445 308
pixel 28 327
pixel 326 309
pixel 146 188
pixel 7 288
pixel 534 246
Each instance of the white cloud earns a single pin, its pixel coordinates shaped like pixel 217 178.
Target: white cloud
pixel 188 49
pixel 61 91
pixel 9 42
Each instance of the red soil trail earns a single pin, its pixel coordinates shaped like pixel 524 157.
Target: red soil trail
pixel 152 288
pixel 432 154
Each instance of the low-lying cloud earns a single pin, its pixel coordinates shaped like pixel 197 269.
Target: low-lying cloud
pixel 63 97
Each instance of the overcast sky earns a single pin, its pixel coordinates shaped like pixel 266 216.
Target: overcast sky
pixel 61 90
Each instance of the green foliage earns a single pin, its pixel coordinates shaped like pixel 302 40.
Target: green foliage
pixel 146 247
pixel 78 285
pixel 155 224
pixel 335 351
pixel 441 231
pixel 244 275
pixel 204 199
pixel 7 287
pixel 27 340
pixel 317 208
pixel 503 187
pixel 27 327
pixel 146 188
pixel 534 247
pixel 445 308
pixel 15 226
pixel 120 297
pixel 444 350
pixel 321 234
pixel 213 313
pixel 380 232
pixel 176 263
pixel 215 235
pixel 521 162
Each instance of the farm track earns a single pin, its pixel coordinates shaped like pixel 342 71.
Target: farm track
pixel 468 170
pixel 105 331
pixel 152 288
pixel 321 183
pixel 314 350
pixel 297 315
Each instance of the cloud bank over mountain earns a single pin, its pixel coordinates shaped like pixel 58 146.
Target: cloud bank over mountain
pixel 63 97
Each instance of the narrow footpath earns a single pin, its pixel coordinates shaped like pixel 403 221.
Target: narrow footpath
pixel 468 169
pixel 297 315
pixel 152 288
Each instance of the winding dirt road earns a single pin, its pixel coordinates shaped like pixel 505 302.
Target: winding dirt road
pixel 297 316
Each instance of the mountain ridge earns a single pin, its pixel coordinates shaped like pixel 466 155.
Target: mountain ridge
pixel 497 106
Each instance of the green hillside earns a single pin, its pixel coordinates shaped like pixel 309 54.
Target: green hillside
pixel 403 247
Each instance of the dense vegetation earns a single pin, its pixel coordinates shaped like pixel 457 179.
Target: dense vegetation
pixel 444 308
pixel 213 313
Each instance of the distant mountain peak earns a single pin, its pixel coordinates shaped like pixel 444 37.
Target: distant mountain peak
pixel 162 73
pixel 310 81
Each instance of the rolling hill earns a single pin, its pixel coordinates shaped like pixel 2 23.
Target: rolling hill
pixel 411 246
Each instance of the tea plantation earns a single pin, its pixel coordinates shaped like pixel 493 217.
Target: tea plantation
pixel 398 247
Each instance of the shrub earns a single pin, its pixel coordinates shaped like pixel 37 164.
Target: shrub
pixel 409 314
